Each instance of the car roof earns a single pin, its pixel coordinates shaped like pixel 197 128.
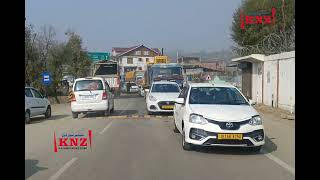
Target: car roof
pixel 89 78
pixel 211 85
pixel 164 82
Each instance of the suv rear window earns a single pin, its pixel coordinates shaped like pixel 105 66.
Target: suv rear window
pixel 88 85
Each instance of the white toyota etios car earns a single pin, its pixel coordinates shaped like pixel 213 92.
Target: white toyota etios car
pixel 217 115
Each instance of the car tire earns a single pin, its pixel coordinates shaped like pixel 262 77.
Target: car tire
pixel 27 117
pixel 175 130
pixel 186 146
pixel 48 112
pixel 74 115
pixel 256 149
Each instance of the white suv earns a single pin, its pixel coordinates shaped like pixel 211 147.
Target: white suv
pixel 35 104
pixel 217 115
pixel 91 94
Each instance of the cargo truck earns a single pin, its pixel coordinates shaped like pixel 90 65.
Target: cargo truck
pixel 163 72
pixel 109 70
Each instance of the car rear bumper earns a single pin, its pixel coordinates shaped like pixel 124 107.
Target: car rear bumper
pixel 89 107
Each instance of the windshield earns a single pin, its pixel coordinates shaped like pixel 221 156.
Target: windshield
pixel 107 69
pixel 216 95
pixel 165 88
pixel 163 72
pixel 88 85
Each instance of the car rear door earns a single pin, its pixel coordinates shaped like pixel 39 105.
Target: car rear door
pixel 30 102
pixel 88 91
pixel 39 101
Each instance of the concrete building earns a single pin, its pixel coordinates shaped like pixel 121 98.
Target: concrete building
pixel 269 80
pixel 134 58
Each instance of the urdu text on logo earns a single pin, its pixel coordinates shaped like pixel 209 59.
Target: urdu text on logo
pixel 73 141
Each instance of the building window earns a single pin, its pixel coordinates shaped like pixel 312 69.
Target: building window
pixel 138 53
pixel 147 60
pixel 129 61
pixel 140 68
pixel 140 59
pixel 146 53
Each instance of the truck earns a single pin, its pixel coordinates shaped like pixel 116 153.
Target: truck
pixel 109 70
pixel 162 71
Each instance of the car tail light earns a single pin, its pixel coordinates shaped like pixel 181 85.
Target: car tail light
pixel 104 95
pixel 72 97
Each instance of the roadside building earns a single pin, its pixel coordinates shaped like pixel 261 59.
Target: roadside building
pixel 134 58
pixel 269 80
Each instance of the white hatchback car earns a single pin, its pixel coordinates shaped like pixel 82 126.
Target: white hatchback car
pixel 162 96
pixel 91 94
pixel 217 115
pixel 35 104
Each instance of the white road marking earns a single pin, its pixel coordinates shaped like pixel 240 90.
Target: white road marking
pixel 105 128
pixel 64 168
pixel 281 163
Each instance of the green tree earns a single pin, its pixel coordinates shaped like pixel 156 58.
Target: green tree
pixel 57 57
pixel 252 35
pixel 79 63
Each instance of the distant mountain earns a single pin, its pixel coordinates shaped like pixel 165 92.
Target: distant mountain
pixel 225 55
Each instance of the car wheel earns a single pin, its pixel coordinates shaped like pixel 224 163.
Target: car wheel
pixel 74 115
pixel 256 149
pixel 27 117
pixel 48 112
pixel 186 146
pixel 175 127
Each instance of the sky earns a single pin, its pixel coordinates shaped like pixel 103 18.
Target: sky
pixel 188 25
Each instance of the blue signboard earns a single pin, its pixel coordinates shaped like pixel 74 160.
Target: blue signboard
pixel 46 79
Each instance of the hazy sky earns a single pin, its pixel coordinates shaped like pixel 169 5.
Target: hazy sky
pixel 189 25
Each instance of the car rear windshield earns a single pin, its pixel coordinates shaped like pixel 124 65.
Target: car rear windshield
pixel 107 69
pixel 88 85
pixel 165 88
pixel 216 95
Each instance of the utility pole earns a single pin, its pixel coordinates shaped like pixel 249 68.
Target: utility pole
pixel 177 57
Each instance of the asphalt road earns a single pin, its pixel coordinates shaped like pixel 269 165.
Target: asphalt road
pixel 141 148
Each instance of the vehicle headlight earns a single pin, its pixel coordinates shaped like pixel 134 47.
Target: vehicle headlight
pixel 197 119
pixel 255 120
pixel 152 98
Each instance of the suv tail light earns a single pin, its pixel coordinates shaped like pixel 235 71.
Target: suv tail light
pixel 104 95
pixel 72 97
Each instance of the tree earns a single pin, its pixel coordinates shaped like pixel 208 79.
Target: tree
pixel 57 56
pixel 261 38
pixel 79 63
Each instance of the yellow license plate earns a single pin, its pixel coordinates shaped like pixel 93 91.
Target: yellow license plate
pixel 167 107
pixel 230 136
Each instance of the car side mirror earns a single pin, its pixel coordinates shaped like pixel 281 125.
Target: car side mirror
pixel 252 102
pixel 180 101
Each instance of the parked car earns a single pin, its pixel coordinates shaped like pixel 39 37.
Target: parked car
pixel 133 88
pixel 162 96
pixel 35 104
pixel 217 115
pixel 91 94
